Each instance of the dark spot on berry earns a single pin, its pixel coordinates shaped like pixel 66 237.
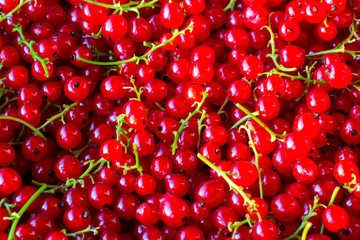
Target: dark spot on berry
pixel 354 132
pixel 85 214
pixel 159 128
pixel 58 78
pixel 298 5
pixel 184 219
pixel 0 9
pixel 238 159
pixel 282 228
pixel 311 151
pixel 55 35
pixel 108 38
pixel 202 204
pixel 72 57
pixel 315 9
pixel 144 122
pixel 293 100
pixel 39 24
pixel 277 94
pixel 279 58
pixel 334 7
pixel 84 121
pixel 344 232
pixel 310 157
pixel 51 173
pixel 55 55
pixel 316 115
pixel 289 30
pixel 329 135
pixel 28 101
pixel 76 84
pixel 217 151
pixel 36 151
pixel 138 202
pixel 61 204
pixel 45 96
pixel 358 61
pixel 73 33
pixel 328 70
pixel 16 92
pixel 182 171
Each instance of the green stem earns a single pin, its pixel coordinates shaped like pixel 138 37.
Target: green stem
pixel 237 189
pixel 333 195
pixel 200 126
pixel 9 14
pixel 220 111
pixel 153 48
pixel 62 113
pixel 235 226
pixel 238 123
pixel 183 122
pixel 230 6
pixel 18 215
pixel 273 54
pixel 86 230
pixel 306 219
pixel 137 162
pixel 7 101
pixel 37 132
pixel 34 54
pixel 131 6
pixel 306 230
pixel 256 154
pixel 273 134
pixel 159 106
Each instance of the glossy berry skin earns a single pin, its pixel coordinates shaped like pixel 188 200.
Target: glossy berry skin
pixel 345 171
pixel 77 218
pixel 145 184
pixel 285 207
pixel 7 154
pixel 114 28
pixel 243 173
pixel 264 229
pixel 34 148
pixel 335 218
pixel 210 192
pixel 144 141
pixel 100 194
pixel 68 136
pixel 172 15
pixel 10 181
pixel 67 167
pixel 173 211
pixel 338 75
pixel 147 214
pixel 76 89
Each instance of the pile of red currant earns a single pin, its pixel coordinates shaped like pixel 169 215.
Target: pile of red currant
pixel 179 119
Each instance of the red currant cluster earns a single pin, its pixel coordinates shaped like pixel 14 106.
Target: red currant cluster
pixel 179 119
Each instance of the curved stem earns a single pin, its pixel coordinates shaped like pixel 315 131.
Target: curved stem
pixel 306 230
pixel 183 122
pixel 137 162
pixel 238 123
pixel 230 6
pixel 9 14
pixel 37 132
pixel 18 215
pixel 35 55
pixel 273 135
pixel 143 57
pixel 237 189
pixel 256 154
pixel 62 113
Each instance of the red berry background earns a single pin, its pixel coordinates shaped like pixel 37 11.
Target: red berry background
pixel 179 119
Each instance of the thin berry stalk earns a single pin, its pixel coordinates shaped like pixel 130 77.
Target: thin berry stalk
pixel 183 122
pixel 34 54
pixel 137 59
pixel 36 131
pixel 18 215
